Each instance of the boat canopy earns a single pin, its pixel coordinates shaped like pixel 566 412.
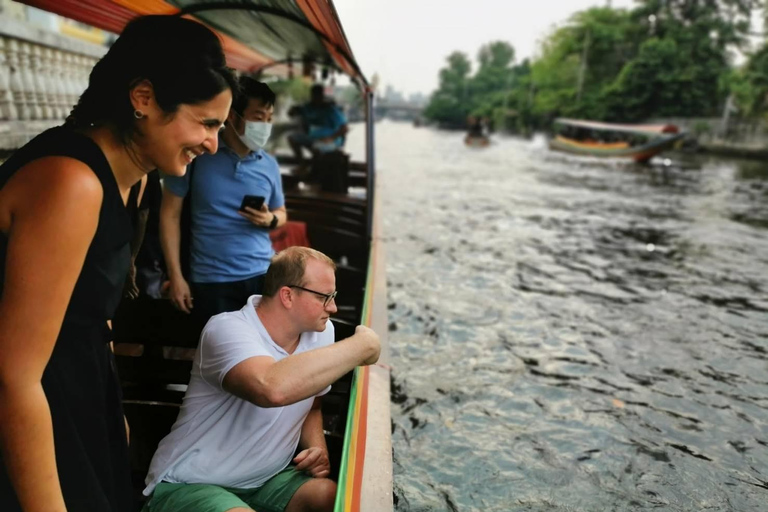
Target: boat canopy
pixel 256 34
pixel 645 129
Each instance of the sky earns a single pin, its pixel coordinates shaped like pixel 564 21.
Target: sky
pixel 407 41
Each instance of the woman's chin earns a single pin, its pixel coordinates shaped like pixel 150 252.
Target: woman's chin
pixel 175 170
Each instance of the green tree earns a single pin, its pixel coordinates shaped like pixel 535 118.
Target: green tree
pixel 656 82
pixel 580 59
pixel 702 33
pixel 661 58
pixel 449 104
pixel 491 86
pixel 750 85
pixel 698 23
pixel 514 109
pixel 495 72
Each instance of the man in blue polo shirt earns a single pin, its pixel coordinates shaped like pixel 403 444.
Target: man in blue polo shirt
pixel 324 125
pixel 230 248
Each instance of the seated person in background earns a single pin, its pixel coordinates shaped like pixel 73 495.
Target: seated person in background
pixel 254 397
pixel 475 127
pixel 229 248
pixel 324 125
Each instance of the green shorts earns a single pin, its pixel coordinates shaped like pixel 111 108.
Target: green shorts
pixel 273 496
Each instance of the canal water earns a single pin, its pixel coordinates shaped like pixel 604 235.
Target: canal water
pixel 572 334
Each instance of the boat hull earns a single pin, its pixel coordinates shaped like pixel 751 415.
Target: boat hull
pixel 641 153
pixel 365 478
pixel 477 142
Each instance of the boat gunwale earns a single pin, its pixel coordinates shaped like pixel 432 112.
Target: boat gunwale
pixel 655 145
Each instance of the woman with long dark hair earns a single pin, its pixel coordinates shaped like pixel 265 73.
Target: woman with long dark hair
pixel 156 100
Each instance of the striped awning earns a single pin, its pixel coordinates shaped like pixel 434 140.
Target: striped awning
pixel 256 34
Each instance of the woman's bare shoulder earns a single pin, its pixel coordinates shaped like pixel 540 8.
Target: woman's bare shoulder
pixel 52 185
pixel 56 178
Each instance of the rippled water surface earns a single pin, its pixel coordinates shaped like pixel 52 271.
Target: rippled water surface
pixel 574 334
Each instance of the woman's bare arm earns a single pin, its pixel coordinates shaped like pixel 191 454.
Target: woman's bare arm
pixel 53 208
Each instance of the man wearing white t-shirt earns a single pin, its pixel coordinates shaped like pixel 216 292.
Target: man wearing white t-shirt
pixel 254 397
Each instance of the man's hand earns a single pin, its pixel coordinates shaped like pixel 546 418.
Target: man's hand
pixel 180 295
pixel 261 218
pixel 367 335
pixel 314 461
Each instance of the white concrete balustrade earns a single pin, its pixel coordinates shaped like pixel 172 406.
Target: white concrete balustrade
pixel 39 83
pixel 42 75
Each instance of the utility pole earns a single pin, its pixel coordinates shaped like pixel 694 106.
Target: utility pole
pixel 726 118
pixel 508 90
pixel 583 67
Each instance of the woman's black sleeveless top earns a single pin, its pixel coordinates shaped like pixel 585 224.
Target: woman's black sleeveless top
pixel 80 382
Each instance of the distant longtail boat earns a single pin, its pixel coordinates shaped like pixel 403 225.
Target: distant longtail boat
pixel 639 142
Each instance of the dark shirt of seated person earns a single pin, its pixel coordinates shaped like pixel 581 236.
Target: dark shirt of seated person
pixel 254 397
pixel 324 125
pixel 475 127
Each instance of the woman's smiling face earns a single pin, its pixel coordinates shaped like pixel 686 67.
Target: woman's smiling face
pixel 171 142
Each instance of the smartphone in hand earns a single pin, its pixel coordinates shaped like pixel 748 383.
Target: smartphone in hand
pixel 250 201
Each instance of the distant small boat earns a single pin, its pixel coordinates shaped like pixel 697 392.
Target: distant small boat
pixel 477 142
pixel 636 141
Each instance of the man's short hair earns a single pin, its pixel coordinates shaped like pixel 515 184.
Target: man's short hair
pixel 288 266
pixel 252 89
pixel 317 90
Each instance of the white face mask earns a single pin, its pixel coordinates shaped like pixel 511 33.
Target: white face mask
pixel 256 134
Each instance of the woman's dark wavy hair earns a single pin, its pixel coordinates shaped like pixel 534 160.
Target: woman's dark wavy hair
pixel 182 59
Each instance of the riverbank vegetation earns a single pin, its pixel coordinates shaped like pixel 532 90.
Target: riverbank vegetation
pixel 663 58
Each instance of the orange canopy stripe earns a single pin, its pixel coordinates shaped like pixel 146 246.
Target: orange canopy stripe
pixel 98 13
pixel 239 56
pixel 148 6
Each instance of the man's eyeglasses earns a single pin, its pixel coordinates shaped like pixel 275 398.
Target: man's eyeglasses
pixel 327 297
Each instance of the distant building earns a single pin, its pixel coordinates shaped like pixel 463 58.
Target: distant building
pixel 393 105
pixel 393 96
pixel 418 99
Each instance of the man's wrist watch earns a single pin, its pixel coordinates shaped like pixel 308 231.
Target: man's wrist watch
pixel 273 224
